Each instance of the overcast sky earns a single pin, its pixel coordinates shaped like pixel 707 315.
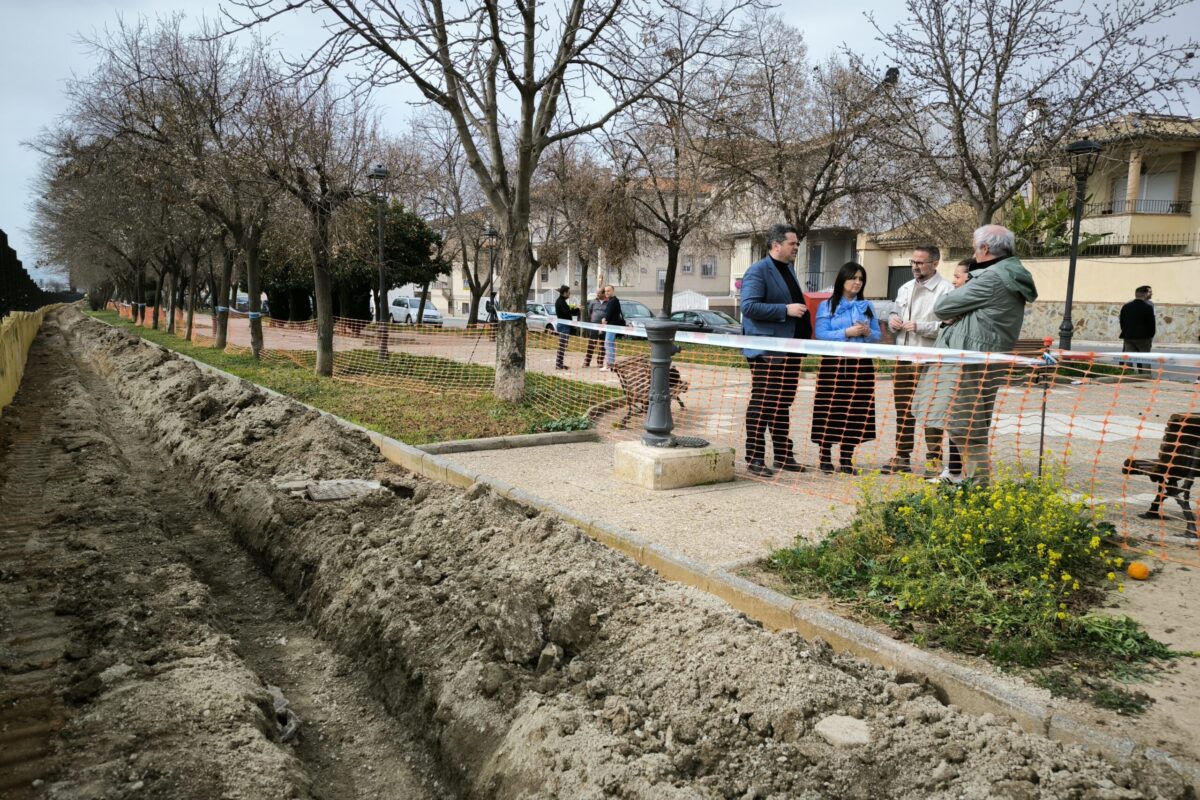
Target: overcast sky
pixel 40 49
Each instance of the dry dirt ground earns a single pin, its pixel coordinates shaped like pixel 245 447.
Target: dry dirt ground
pixel 160 577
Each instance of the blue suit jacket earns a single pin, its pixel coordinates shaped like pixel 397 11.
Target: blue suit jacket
pixel 764 303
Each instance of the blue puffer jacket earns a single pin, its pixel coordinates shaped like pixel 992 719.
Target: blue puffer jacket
pixel 832 327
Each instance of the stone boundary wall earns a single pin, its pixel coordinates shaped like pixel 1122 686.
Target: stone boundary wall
pixel 1098 322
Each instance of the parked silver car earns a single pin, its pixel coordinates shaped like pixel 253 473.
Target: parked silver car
pixel 540 316
pixel 404 309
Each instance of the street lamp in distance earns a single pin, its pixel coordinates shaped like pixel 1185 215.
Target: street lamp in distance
pixel 378 175
pixel 490 239
pixel 1084 154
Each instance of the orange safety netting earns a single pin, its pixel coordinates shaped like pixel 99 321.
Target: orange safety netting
pixel 1123 430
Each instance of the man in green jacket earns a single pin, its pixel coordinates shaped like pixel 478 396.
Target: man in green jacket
pixel 984 314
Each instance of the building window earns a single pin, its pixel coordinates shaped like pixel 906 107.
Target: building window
pixel 708 267
pixel 687 265
pixel 662 280
pixel 466 308
pixel 545 274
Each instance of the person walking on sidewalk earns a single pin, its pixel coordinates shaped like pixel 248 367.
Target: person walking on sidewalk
pixel 1137 325
pixel 613 318
pixel 595 315
pixel 914 324
pixel 772 304
pixel 562 310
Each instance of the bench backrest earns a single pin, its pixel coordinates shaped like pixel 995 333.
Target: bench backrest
pixel 1180 449
pixel 634 374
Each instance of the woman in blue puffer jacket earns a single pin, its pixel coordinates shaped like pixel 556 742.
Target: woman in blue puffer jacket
pixel 844 403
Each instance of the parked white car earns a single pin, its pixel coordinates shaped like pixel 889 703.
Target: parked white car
pixel 404 309
pixel 540 316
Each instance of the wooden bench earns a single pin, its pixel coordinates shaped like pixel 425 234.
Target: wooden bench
pixel 1175 468
pixel 634 375
pixel 1031 348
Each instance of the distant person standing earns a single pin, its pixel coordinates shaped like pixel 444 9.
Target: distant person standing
pixel 913 324
pixel 772 305
pixel 562 310
pixel 595 315
pixel 613 318
pixel 1137 325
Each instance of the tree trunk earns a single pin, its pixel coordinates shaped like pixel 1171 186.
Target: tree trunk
pixel 139 309
pixel 673 245
pixel 192 290
pixel 510 334
pixel 421 306
pixel 323 289
pixel 254 292
pixel 584 297
pixel 172 293
pixel 221 302
pixel 473 314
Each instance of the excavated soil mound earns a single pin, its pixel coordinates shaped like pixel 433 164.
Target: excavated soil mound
pixel 546 665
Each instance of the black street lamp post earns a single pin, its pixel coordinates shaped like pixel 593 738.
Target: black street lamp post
pixel 490 240
pixel 1084 155
pixel 378 175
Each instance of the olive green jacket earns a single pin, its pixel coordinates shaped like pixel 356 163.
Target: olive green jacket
pixel 988 309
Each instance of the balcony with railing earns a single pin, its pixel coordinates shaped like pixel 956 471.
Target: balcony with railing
pixel 1177 207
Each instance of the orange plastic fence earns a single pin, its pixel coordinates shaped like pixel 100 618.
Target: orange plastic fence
pixel 1123 430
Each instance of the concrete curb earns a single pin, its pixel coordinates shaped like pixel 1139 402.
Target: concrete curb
pixel 969 689
pixel 510 442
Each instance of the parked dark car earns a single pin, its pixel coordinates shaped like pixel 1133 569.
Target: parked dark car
pixel 707 321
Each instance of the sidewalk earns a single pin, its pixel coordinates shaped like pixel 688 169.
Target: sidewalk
pixel 722 525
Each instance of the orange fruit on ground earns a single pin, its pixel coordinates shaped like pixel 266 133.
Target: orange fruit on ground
pixel 1138 571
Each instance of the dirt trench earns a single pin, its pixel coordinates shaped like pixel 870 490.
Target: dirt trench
pixel 139 643
pixel 529 660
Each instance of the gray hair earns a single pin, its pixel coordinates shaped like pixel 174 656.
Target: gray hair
pixel 1000 240
pixel 777 234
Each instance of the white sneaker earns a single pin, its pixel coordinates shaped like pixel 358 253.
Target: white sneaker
pixel 605 369
pixel 946 476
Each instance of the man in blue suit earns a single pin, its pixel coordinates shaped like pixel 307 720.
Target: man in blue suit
pixel 772 304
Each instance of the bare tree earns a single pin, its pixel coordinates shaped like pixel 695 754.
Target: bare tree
pixel 993 89
pixel 803 137
pixel 511 76
pixel 319 142
pixel 665 153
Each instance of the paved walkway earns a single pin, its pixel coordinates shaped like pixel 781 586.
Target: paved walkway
pixel 720 525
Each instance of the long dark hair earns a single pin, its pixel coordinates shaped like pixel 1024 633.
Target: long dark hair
pixel 848 271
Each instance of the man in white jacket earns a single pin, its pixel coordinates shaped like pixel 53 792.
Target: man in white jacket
pixel 913 324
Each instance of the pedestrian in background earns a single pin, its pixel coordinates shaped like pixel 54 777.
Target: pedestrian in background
pixel 772 304
pixel 595 315
pixel 613 318
pixel 562 310
pixel 1137 325
pixel 844 403
pixel 913 324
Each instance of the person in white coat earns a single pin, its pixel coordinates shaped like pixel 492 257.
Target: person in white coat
pixel 914 324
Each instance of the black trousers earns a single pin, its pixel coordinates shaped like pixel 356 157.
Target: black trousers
pixel 774 380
